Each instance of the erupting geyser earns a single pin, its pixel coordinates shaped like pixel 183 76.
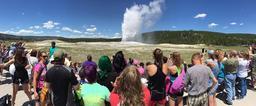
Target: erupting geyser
pixel 139 17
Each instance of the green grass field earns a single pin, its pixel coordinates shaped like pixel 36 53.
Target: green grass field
pixel 143 52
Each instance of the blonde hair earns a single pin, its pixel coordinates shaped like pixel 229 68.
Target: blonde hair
pixel 130 87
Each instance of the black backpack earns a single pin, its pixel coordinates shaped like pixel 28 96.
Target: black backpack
pixel 5 100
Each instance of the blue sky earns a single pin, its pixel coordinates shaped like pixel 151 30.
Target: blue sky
pixel 104 18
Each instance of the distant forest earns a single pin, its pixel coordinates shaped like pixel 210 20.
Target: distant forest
pixel 173 37
pixel 198 37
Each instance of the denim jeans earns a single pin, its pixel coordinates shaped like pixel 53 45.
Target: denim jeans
pixel 242 86
pixel 230 80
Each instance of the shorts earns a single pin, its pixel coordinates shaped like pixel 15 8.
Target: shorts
pixel 198 100
pixel 174 96
pixel 20 78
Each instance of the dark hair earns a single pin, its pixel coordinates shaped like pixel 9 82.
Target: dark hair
pixel 19 56
pixel 158 57
pixel 165 59
pixel 176 59
pixel 53 43
pixel 142 64
pixel 119 62
pixel 89 57
pixel 130 61
pixel 33 53
pixel 90 73
pixel 148 63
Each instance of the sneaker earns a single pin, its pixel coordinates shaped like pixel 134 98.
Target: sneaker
pixel 240 97
pixel 229 103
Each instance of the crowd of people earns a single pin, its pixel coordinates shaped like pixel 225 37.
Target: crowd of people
pixel 53 79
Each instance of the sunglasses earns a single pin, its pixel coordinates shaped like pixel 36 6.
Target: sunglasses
pixel 44 56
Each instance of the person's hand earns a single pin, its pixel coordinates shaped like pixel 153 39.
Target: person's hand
pixel 36 95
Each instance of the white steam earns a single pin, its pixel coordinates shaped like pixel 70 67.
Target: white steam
pixel 139 17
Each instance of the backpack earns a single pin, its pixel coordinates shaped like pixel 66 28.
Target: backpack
pixel 5 100
pixel 178 84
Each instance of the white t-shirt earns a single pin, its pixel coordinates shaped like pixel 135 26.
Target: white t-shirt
pixel 32 61
pixel 242 69
pixel 12 69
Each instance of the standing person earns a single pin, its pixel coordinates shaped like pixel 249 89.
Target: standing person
pixel 242 73
pixel 92 93
pixel 52 50
pixel 196 82
pixel 175 70
pixel 106 74
pixel 119 62
pixel 89 61
pixel 252 55
pixel 39 76
pixel 32 60
pixel 59 80
pixel 230 67
pixel 20 74
pixel 220 57
pixel 126 95
pixel 157 73
pixel 212 62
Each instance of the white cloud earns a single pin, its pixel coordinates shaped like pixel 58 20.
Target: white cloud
pixel 241 24
pixel 201 15
pixel 67 29
pixel 76 31
pixel 91 29
pixel 34 27
pixel 211 25
pixel 88 33
pixel 57 31
pixel 23 32
pixel 233 23
pixel 117 34
pixel 50 24
pixel 71 30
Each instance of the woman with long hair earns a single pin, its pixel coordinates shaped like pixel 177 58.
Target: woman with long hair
pixel 39 72
pixel 175 71
pixel 20 74
pixel 126 95
pixel 119 62
pixel 156 81
pixel 106 75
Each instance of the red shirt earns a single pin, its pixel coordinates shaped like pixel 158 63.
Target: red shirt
pixel 114 98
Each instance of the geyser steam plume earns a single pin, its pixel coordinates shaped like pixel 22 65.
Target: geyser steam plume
pixel 138 17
